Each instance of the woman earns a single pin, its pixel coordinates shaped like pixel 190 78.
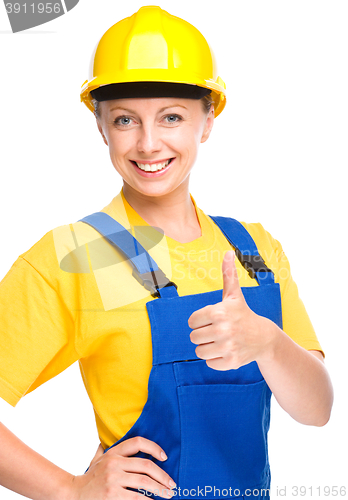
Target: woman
pixel 180 345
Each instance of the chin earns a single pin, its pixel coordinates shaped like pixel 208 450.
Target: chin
pixel 152 191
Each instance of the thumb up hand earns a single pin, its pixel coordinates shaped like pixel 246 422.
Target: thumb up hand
pixel 229 334
pixel 231 289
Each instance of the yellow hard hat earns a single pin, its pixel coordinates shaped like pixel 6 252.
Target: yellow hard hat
pixel 153 53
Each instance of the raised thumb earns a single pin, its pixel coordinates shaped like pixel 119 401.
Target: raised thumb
pixel 231 288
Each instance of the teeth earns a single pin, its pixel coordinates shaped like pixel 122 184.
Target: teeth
pixel 152 168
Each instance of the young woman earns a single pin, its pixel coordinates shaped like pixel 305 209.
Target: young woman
pixel 180 344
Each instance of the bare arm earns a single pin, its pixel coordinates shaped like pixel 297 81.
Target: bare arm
pixel 110 474
pixel 298 379
pixel 26 472
pixel 229 335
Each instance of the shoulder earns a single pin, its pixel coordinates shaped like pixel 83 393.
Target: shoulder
pixel 269 248
pixel 264 241
pixel 61 249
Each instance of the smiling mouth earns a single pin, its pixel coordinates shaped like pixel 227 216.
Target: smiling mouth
pixel 153 167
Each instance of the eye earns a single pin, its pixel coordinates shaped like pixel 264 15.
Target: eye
pixel 171 119
pixel 123 121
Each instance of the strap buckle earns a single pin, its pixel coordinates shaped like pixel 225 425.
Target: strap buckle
pixel 252 263
pixel 153 281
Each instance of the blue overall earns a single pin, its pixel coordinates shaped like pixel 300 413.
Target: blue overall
pixel 212 424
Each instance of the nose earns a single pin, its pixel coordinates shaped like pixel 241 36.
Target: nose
pixel 148 139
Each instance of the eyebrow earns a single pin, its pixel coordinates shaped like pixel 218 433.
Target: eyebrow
pixel 160 111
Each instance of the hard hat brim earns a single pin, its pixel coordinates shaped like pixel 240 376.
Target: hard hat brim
pixel 217 88
pixel 148 89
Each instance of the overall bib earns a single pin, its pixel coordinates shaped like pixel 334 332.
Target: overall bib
pixel 212 424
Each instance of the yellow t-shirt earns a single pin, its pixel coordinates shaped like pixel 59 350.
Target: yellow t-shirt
pixel 72 297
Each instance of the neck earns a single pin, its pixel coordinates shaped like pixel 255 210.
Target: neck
pixel 174 212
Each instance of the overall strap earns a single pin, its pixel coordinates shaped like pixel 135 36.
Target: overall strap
pixel 145 269
pixel 245 249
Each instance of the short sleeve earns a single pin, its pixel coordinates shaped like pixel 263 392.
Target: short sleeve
pixel 296 322
pixel 36 332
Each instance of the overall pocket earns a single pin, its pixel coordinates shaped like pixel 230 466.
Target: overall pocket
pixel 224 437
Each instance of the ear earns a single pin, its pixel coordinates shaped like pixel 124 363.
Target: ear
pixel 208 124
pixel 100 128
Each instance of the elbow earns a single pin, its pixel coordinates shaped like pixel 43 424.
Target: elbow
pixel 319 417
pixel 315 421
pixel 323 417
pixel 323 421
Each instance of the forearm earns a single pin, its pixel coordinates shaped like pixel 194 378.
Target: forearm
pixel 298 379
pixel 26 472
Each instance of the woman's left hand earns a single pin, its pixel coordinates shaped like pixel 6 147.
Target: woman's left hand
pixel 229 334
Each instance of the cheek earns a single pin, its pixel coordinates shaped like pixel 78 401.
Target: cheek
pixel 192 145
pixel 186 142
pixel 119 146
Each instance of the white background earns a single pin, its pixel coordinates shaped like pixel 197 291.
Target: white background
pixel 277 155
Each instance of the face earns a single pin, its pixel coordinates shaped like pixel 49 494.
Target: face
pixel 153 142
